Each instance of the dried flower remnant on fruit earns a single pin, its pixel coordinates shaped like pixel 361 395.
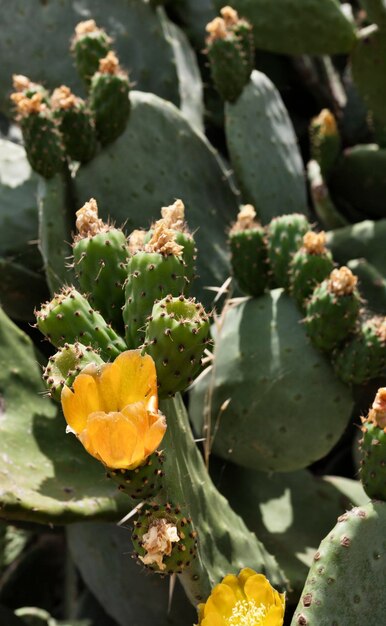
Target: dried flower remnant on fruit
pixel 327 121
pixel 20 82
pixel 216 29
pixel 377 413
pixel 136 240
pixel 229 15
pixel 158 542
pixel 109 64
pixel 163 241
pixel 63 98
pixel 314 243
pixel 88 223
pixel 26 106
pixel 342 281
pixel 173 216
pixel 245 219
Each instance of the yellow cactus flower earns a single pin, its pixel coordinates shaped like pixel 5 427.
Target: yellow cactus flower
pixel 244 600
pixel 113 410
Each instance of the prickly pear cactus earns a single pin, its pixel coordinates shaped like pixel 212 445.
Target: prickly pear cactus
pixel 333 591
pixel 285 235
pixel 363 357
pixel 373 449
pixel 311 264
pixel 269 379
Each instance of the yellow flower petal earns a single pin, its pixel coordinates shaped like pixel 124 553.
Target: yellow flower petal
pixel 111 438
pixel 258 588
pixel 130 378
pixel 221 600
pixel 79 403
pixel 214 619
pixel 275 616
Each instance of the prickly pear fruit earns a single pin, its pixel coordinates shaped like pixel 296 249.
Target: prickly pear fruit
pixel 333 309
pixel 325 141
pixel 364 356
pixel 176 335
pixel 153 273
pixel 249 254
pixel 100 259
pixel 64 366
pixel 311 264
pixel 373 447
pixel 349 569
pixel 285 235
pixel 69 318
pixel 164 539
pixel 231 53
pixel 42 140
pixel 75 123
pixel 144 481
pixel 109 99
pixel 173 217
pixel 89 45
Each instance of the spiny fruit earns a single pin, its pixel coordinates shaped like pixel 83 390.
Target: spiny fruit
pixel 89 45
pixel 373 447
pixel 64 366
pixel 144 481
pixel 164 538
pixel 249 254
pixel 333 309
pixel 364 356
pixel 231 53
pixel 22 84
pixel 311 264
pixel 285 234
pixel 75 123
pixel 154 272
pixel 100 260
pixel 325 141
pixel 42 140
pixel 109 99
pixel 69 318
pixel 176 336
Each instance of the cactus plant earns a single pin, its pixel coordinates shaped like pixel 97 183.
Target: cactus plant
pixel 311 264
pixel 285 234
pixel 372 446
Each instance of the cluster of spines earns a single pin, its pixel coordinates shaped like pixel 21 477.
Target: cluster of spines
pixel 144 481
pixel 65 126
pixel 177 334
pixel 179 553
pixel 231 53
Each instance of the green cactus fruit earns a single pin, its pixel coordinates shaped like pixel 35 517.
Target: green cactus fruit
pixel 154 272
pixel 64 366
pixel 373 448
pixel 333 309
pixel 363 357
pixel 100 260
pixel 325 141
pixel 75 123
pixel 249 254
pixel 311 264
pixel 69 318
pixel 285 234
pixel 109 99
pixel 42 140
pixel 176 335
pixel 89 45
pixel 173 217
pixel 231 53
pixel 144 481
pixel 164 538
pixel 348 576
